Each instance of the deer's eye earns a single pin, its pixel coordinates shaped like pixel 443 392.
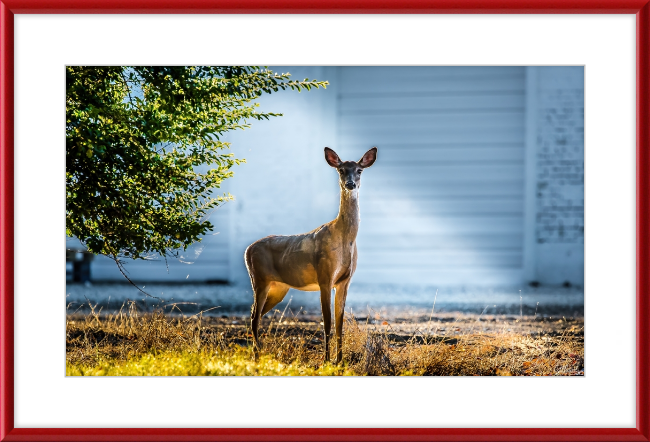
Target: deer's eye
pixel 359 171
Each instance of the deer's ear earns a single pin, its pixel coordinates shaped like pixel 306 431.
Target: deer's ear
pixel 368 158
pixel 332 158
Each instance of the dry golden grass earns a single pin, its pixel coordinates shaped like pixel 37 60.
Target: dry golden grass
pixel 131 343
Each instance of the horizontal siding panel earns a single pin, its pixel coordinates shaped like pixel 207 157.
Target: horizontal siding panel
pixel 403 241
pixel 447 225
pixel 352 74
pixel 212 248
pixel 440 259
pixel 423 84
pixel 430 173
pixel 160 263
pixel 448 188
pixel 377 105
pixel 157 271
pixel 425 134
pixel 204 252
pixel 506 120
pixel 436 277
pixel 433 207
pixel 399 156
pixel 217 240
pixel 434 144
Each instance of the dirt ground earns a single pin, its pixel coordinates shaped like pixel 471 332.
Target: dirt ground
pixel 401 326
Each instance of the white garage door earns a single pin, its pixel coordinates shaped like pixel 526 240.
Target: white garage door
pixel 444 203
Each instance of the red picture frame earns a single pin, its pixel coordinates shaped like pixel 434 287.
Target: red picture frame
pixel 10 7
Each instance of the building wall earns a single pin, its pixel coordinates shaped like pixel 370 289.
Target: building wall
pixel 285 187
pixel 443 205
pixel 559 228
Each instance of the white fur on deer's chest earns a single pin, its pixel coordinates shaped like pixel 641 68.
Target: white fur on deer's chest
pixel 345 268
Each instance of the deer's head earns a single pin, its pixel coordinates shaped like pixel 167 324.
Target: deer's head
pixel 350 171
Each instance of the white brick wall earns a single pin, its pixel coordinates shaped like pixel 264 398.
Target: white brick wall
pixel 560 175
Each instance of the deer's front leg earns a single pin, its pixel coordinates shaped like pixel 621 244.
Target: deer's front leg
pixel 339 313
pixel 325 305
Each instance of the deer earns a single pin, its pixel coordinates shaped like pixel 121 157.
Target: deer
pixel 317 261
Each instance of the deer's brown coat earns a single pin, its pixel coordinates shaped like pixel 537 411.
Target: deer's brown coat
pixel 319 260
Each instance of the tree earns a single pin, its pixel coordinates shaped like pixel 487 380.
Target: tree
pixel 134 139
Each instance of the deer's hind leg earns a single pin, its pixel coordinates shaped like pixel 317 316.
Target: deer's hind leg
pixel 260 292
pixel 277 292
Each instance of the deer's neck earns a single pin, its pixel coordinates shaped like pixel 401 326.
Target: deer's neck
pixel 348 218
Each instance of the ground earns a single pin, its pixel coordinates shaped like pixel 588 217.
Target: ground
pixel 541 334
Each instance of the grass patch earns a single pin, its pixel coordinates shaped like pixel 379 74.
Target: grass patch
pixel 201 363
pixel 129 343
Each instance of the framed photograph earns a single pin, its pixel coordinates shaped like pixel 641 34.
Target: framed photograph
pixel 610 402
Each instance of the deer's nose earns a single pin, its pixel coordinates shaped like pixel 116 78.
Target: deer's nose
pixel 350 185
